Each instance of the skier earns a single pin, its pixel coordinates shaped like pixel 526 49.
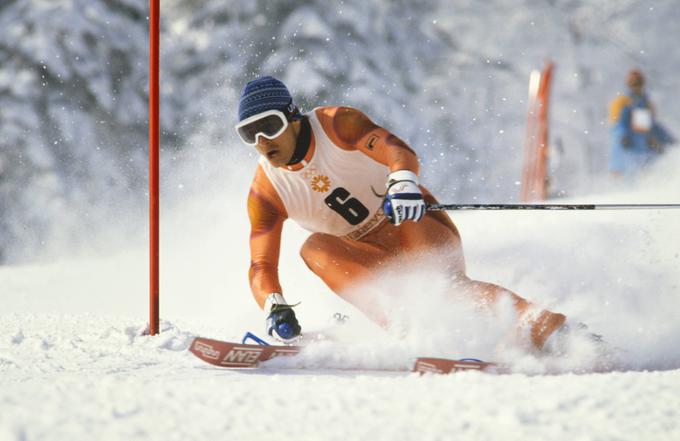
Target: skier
pixel 324 169
pixel 637 138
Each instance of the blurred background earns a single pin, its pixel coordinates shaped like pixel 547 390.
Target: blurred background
pixel 448 77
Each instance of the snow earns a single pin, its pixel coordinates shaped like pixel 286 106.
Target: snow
pixel 75 365
pixel 83 377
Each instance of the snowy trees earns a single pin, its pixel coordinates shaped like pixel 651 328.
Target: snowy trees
pixel 450 80
pixel 72 111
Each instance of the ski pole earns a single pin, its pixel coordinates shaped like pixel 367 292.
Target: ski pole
pixel 448 207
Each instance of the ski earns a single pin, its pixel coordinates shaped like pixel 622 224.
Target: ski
pixel 238 355
pixel 241 355
pixel 429 365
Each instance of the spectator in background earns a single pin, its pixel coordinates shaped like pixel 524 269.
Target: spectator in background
pixel 637 138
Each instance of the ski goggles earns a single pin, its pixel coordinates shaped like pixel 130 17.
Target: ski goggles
pixel 269 124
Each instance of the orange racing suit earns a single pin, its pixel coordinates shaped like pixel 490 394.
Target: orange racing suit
pixel 328 193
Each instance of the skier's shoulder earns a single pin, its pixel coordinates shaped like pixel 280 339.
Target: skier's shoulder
pixel 617 105
pixel 340 112
pixel 344 125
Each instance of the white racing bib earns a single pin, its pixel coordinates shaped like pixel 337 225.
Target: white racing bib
pixel 641 120
pixel 332 192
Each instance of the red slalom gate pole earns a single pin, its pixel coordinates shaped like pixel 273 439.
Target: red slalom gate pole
pixel 535 168
pixel 541 178
pixel 154 141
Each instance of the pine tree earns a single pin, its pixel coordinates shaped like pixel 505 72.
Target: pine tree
pixel 72 113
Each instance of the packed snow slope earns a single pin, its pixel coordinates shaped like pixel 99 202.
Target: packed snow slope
pixel 75 366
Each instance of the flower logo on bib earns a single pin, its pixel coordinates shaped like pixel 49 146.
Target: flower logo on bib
pixel 321 183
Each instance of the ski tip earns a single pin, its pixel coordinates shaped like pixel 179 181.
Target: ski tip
pixel 237 355
pixel 206 350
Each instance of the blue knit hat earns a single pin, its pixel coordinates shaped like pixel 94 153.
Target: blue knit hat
pixel 262 94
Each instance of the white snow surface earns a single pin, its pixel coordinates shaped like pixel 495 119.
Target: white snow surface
pixel 75 365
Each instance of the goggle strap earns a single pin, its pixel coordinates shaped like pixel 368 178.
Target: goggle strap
pixel 291 111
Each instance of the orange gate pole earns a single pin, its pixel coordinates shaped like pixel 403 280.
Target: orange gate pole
pixel 535 169
pixel 541 183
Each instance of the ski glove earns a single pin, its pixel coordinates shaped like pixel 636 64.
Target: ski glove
pixel 281 322
pixel 404 200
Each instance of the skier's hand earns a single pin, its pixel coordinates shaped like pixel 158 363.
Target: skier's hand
pixel 654 144
pixel 281 322
pixel 626 142
pixel 404 200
